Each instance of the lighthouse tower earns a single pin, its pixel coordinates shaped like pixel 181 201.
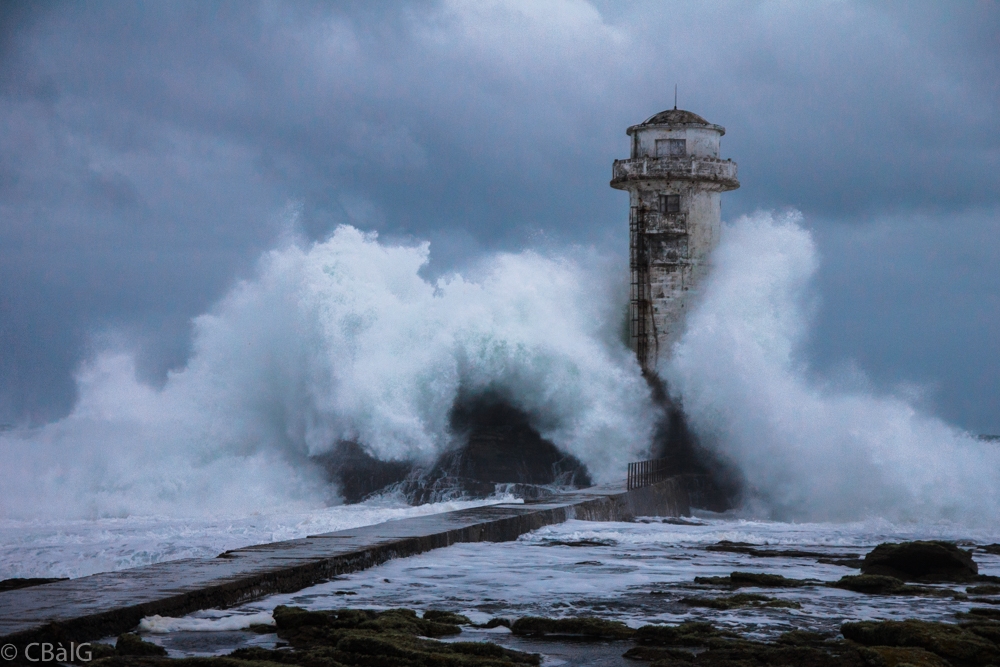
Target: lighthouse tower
pixel 675 179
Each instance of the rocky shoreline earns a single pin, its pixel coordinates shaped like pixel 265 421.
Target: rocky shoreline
pixel 362 637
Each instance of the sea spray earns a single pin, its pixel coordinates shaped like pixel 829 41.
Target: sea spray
pixel 341 339
pixel 808 450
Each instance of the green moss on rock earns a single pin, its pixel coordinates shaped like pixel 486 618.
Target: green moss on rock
pixel 956 644
pixel 446 617
pixel 344 638
pixel 586 626
pixel 740 600
pixel 132 644
pixel 753 579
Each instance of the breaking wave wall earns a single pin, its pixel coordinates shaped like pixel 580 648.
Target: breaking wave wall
pixel 807 447
pixel 338 340
pixel 345 340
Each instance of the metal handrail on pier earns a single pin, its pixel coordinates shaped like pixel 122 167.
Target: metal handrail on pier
pixel 645 473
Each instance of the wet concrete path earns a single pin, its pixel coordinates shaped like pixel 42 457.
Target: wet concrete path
pixel 113 602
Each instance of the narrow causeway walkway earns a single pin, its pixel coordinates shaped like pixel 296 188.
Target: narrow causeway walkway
pixel 110 603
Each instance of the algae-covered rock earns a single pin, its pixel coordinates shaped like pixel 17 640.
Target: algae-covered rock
pixel 753 579
pixel 132 644
pixel 921 561
pixel 372 638
pixel 895 656
pixel 685 634
pixel 586 626
pixel 702 645
pixel 290 618
pixel 987 589
pixel 803 638
pixel 740 600
pixel 879 584
pixel 446 617
pixel 957 645
pixel 988 631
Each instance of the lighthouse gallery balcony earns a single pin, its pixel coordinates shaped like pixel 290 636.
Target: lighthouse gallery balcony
pixel 686 168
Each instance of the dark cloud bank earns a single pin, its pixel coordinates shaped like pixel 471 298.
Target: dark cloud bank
pixel 150 151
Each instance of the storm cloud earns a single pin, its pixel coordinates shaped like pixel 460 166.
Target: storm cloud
pixel 149 152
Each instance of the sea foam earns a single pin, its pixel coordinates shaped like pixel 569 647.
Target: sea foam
pixel 806 448
pixel 344 339
pixel 340 339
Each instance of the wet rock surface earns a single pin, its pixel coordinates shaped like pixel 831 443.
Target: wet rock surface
pixel 497 449
pixel 959 645
pixel 790 614
pixel 878 584
pixel 21 582
pixel 359 637
pixel 758 579
pixel 344 637
pixel 925 561
pixel 759 552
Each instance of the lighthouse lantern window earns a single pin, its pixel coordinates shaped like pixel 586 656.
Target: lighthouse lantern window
pixel 670 203
pixel 671 147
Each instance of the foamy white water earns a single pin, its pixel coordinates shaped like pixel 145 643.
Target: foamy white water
pixel 338 340
pixel 78 547
pixel 345 340
pixel 637 573
pixel 808 449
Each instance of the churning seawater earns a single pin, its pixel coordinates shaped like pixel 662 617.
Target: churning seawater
pixel 345 339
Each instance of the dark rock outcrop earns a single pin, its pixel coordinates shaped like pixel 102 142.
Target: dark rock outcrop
pixel 921 561
pixel 497 450
pixel 358 474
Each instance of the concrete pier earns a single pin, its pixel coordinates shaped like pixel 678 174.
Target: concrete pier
pixel 114 602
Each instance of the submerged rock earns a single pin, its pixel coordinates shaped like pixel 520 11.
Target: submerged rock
pixel 921 561
pixel 702 645
pixel 740 600
pixel 726 546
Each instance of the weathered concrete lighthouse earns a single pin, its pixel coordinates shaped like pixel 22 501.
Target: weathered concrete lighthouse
pixel 675 179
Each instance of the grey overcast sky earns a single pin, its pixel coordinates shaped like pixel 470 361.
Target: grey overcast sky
pixel 149 152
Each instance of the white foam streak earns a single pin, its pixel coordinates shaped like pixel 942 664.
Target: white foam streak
pixel 808 450
pixel 161 625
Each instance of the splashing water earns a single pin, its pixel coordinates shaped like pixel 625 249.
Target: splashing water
pixel 339 340
pixel 807 450
pixel 345 340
